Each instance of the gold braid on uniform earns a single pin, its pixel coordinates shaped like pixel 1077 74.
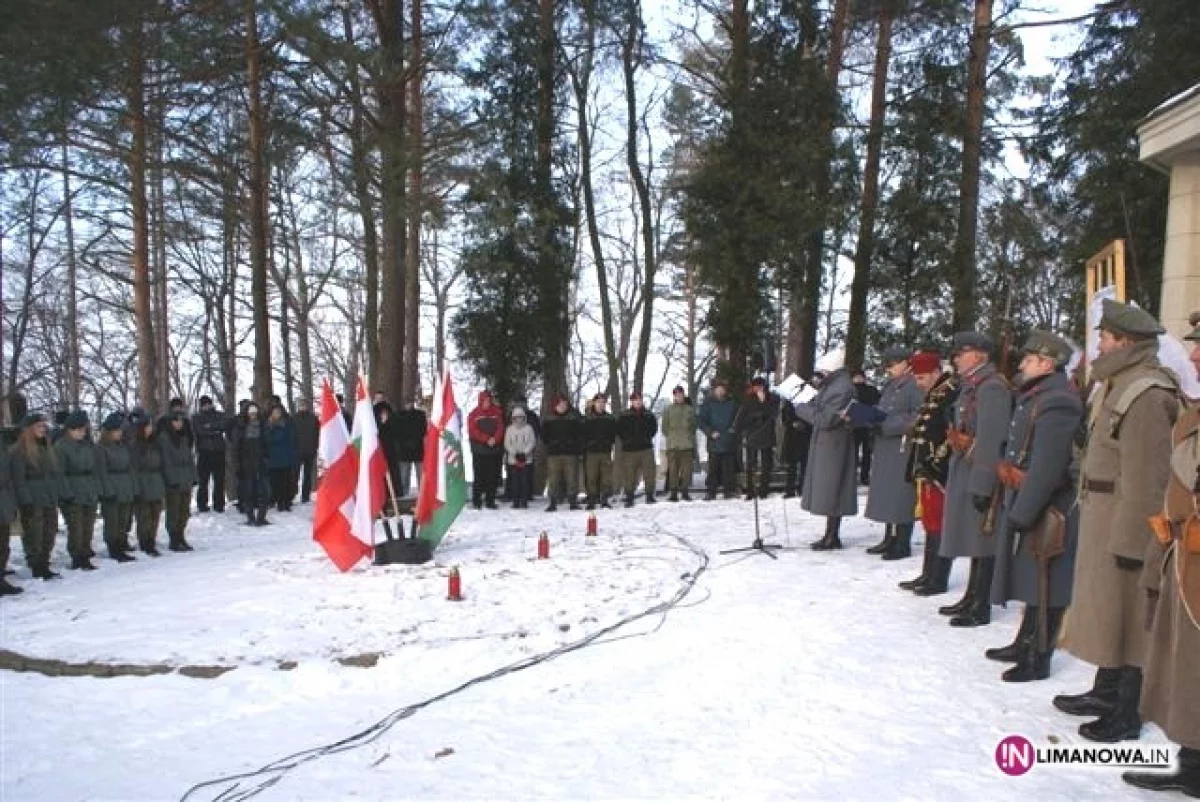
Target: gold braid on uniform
pixel 929 459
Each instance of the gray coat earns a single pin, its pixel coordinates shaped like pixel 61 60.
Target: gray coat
pixel 1041 442
pixel 983 410
pixel 893 500
pixel 831 481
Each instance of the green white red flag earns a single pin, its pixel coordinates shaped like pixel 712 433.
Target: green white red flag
pixel 443 491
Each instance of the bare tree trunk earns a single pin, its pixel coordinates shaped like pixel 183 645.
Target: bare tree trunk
pixel 581 81
pixel 136 112
pixel 5 405
pixel 963 271
pixel 806 290
pixel 285 328
pixel 74 378
pixel 412 286
pixel 392 130
pixel 158 234
pixel 263 385
pixel 557 340
pixel 631 57
pixel 359 161
pixel 226 316
pixel 856 335
pixel 302 332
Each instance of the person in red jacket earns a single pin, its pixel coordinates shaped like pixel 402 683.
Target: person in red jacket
pixel 485 428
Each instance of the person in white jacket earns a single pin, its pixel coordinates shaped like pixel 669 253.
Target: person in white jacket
pixel 519 442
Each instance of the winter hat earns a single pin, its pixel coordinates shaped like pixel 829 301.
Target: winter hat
pixel 31 419
pixel 758 381
pixel 636 395
pixel 113 422
pixel 76 420
pixel 206 401
pixel 679 389
pixel 518 412
pixel 834 360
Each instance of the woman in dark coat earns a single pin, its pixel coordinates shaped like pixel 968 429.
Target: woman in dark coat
pixel 37 479
pixel 250 456
pixel 151 487
pixel 118 488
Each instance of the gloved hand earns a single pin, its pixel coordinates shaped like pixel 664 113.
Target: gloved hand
pixel 981 503
pixel 1127 563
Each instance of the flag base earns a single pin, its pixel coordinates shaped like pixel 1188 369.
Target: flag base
pixel 403 551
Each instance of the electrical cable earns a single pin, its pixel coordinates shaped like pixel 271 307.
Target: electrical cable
pixel 270 774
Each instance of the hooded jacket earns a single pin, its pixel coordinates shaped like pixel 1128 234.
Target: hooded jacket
pixel 486 424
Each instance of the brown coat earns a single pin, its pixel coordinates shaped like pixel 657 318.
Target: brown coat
pixel 1171 684
pixel 1124 479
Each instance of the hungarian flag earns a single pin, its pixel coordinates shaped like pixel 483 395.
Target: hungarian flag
pixel 335 499
pixel 443 491
pixel 371 490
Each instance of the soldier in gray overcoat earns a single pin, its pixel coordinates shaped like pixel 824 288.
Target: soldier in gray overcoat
pixel 981 416
pixel 892 500
pixel 1039 471
pixel 830 486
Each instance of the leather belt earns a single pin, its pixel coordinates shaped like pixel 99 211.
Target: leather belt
pixel 1099 486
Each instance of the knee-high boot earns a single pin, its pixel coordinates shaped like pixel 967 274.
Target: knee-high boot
pixel 1034 662
pixel 979 614
pixel 968 599
pixel 901 545
pixel 1025 632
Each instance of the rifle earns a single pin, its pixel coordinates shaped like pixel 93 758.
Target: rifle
pixel 989 520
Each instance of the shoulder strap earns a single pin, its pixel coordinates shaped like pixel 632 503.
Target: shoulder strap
pixel 1149 380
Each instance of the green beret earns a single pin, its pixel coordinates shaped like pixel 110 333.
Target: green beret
pixel 1131 321
pixel 1051 346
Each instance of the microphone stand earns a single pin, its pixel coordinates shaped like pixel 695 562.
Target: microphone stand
pixel 758 545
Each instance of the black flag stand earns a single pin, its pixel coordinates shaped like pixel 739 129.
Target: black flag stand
pixel 768 549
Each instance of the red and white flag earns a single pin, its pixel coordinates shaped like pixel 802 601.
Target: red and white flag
pixel 371 484
pixel 335 500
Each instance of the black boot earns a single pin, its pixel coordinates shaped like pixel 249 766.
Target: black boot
pixel 1097 701
pixel 885 544
pixel 1185 778
pixel 650 497
pixel 673 497
pixel 250 517
pixel 553 505
pixel 684 495
pixel 931 546
pixel 1012 652
pixel 122 556
pixel 9 590
pixel 901 546
pixel 1034 663
pixel 1122 723
pixel 980 613
pixel 939 577
pixel 261 518
pixel 832 540
pixel 629 499
pixel 43 572
pixel 573 504
pixel 968 599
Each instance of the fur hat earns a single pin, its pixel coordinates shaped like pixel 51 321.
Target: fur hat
pixel 834 360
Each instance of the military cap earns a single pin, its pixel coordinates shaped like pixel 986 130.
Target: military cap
pixel 1194 322
pixel 1051 346
pixel 897 353
pixel 113 422
pixel 76 420
pixel 1128 320
pixel 972 341
pixel 31 419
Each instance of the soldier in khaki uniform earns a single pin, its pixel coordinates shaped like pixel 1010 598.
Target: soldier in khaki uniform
pixel 1171 691
pixel 636 430
pixel 561 436
pixel 1125 467
pixel 679 427
pixel 599 433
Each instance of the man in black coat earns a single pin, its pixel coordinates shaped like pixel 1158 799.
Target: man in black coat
pixel 864 441
pixel 797 436
pixel 411 427
pixel 756 425
pixel 210 429
pixel 306 429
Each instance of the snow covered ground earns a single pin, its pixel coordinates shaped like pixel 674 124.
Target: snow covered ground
pixel 810 677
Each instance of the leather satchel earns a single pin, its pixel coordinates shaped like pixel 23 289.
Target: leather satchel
pixel 1048 537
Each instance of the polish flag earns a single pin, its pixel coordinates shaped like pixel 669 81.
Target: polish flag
pixel 372 468
pixel 335 499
